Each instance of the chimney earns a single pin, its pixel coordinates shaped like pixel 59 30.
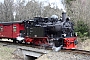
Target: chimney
pixel 63 16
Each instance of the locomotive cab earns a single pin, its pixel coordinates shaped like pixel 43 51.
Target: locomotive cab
pixel 33 30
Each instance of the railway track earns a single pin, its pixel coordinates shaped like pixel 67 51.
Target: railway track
pixel 6 43
pixel 77 51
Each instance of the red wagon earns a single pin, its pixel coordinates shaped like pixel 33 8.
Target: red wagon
pixel 11 30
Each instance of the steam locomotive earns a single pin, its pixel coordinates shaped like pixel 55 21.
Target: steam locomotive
pixel 58 33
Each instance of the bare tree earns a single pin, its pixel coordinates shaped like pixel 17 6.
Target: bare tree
pixel 1 12
pixel 20 10
pixel 75 10
pixel 8 10
pixel 79 10
pixel 33 9
pixel 48 11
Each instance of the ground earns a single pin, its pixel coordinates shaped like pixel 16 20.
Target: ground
pixel 6 53
pixel 83 45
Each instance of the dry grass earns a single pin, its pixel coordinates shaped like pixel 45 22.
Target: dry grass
pixel 84 45
pixel 6 53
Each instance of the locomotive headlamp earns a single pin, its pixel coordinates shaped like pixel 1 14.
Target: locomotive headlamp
pixel 64 35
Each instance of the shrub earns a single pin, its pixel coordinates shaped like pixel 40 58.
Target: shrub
pixel 81 29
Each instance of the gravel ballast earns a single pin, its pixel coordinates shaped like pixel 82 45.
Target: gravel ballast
pixel 64 56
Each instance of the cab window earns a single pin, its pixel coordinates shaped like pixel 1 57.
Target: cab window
pixel 1 28
pixel 14 28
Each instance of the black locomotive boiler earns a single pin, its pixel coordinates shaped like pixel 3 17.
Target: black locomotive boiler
pixel 51 31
